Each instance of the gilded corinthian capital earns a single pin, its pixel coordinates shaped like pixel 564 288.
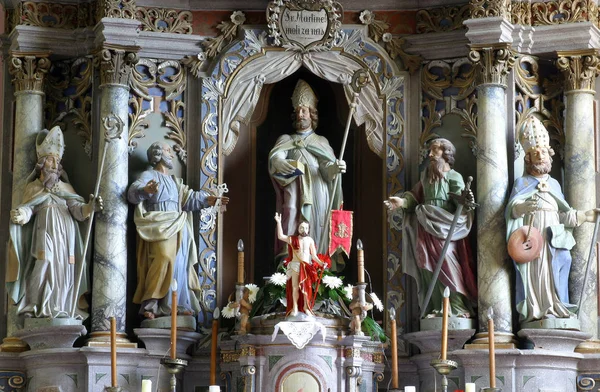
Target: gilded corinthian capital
pixel 29 70
pixel 115 63
pixel 493 62
pixel 579 69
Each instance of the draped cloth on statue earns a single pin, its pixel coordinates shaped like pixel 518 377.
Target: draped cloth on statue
pixel 307 276
pixel 45 251
pixel 166 248
pixel 306 197
pixel 424 234
pixel 542 285
pixel 274 66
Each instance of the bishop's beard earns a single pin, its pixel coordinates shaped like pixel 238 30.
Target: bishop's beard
pixel 539 169
pixel 436 169
pixel 302 124
pixel 51 177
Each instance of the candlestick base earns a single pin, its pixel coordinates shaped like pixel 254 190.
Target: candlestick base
pixel 443 366
pixel 113 389
pixel 490 389
pixel 173 366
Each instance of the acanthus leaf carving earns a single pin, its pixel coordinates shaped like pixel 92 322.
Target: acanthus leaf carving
pixel 579 69
pixel 29 70
pixel 116 63
pixel 494 62
pixel 164 20
pixel 441 19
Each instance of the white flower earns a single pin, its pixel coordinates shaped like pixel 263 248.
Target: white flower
pixel 238 18
pixel 278 279
pixel 366 17
pixel 377 302
pixel 230 310
pixel 387 37
pixel 348 291
pixel 332 282
pixel 253 291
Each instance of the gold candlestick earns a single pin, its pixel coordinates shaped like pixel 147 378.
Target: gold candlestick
pixel 444 350
pixel 213 347
pixel 113 352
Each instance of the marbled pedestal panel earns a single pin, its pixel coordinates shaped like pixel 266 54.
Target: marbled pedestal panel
pixel 580 192
pixel 110 240
pixel 493 266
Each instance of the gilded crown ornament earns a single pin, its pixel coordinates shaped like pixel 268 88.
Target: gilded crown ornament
pixel 50 143
pixel 533 134
pixel 304 96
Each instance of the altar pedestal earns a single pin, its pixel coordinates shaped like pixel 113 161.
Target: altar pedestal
pixel 267 362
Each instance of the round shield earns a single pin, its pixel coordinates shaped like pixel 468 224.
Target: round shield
pixel 525 244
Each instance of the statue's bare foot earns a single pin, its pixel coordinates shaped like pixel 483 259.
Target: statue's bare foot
pixel 294 312
pixel 308 312
pixel 185 312
pixel 149 315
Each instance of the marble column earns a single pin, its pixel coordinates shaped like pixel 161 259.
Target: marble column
pixel 28 70
pixel 493 266
pixel 580 71
pixel 110 239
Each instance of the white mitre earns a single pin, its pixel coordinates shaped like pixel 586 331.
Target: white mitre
pixel 50 143
pixel 533 134
pixel 304 96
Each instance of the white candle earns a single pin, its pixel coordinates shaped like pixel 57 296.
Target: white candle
pixel 410 389
pixel 214 388
pixel 146 386
pixel 470 387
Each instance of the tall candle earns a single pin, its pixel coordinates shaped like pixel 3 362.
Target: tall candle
pixel 174 319
pixel 213 347
pixel 146 386
pixel 360 257
pixel 240 271
pixel 113 352
pixel 394 349
pixel 445 324
pixel 470 387
pixel 492 348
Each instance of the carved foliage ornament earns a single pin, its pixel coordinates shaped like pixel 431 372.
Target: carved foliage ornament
pixel 304 25
pixel 164 20
pixel 116 9
pixel 393 45
pixel 580 71
pixel 490 8
pixel 442 19
pixel 28 71
pixel 554 12
pixel 494 63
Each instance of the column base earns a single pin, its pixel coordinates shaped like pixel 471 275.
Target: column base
pixel 502 340
pixel 13 345
pixel 102 339
pixel 588 347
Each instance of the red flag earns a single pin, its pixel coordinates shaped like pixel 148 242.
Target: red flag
pixel 340 231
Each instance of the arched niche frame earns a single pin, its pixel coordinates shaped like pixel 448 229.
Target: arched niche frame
pixel 231 90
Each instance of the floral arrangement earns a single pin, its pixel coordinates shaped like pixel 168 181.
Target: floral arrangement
pixel 333 298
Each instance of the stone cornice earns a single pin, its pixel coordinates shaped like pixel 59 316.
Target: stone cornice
pixel 580 69
pixel 71 43
pixel 494 63
pixel 29 70
pixel 436 46
pixel 168 46
pixel 487 31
